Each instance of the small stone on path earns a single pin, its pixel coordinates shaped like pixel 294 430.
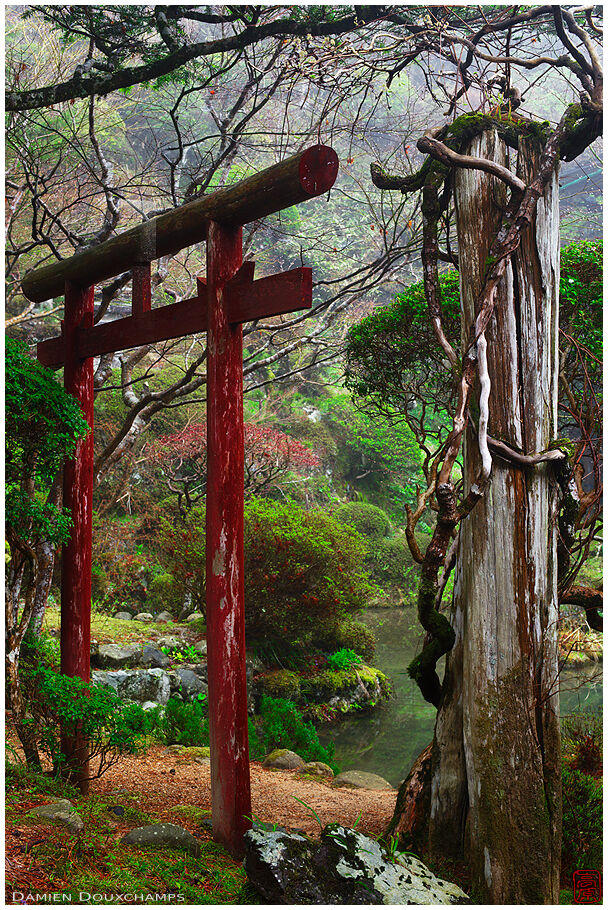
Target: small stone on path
pixel 283 760
pixel 361 780
pixel 316 769
pixel 163 835
pixel 60 813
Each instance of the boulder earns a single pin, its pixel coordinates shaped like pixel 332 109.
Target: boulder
pixel 143 617
pixel 191 684
pixel 109 678
pixel 191 617
pixel 122 614
pixel 343 867
pixel 151 705
pixel 114 657
pixel 60 813
pixel 316 769
pixel 362 780
pixel 283 759
pixel 201 647
pixel 146 685
pixel 164 616
pixel 152 657
pixel 175 683
pixel 170 641
pixel 163 835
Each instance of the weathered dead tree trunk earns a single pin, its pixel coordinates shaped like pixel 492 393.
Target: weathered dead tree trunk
pixel 495 790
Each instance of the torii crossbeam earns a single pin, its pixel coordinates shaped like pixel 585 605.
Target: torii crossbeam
pixel 227 297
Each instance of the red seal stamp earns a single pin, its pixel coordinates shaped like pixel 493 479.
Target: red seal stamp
pixel 587 886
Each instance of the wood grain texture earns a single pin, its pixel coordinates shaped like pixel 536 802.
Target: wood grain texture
pixel 245 300
pixel 303 176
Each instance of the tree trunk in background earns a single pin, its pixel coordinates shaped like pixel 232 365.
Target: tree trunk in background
pixel 495 790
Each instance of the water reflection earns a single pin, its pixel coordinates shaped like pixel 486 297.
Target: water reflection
pixel 386 742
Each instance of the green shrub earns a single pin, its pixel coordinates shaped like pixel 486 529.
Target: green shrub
pixel 303 572
pixel 355 635
pixel 369 520
pixel 281 684
pixel 582 742
pixel 344 659
pixel 110 726
pixel 391 564
pixel 163 594
pixel 582 820
pixel 40 649
pixel 182 552
pixel 281 726
pixel 185 723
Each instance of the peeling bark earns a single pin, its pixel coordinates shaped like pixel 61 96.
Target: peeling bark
pixel 495 792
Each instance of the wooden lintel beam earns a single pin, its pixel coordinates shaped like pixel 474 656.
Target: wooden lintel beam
pixel 246 300
pixel 303 176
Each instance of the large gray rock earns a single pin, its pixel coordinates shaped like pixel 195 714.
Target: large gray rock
pixel 122 614
pixel 146 685
pixel 344 867
pixel 361 780
pixel 163 835
pixel 164 616
pixel 191 684
pixel 114 657
pixel 283 760
pixel 60 813
pixel 109 678
pixel 153 657
pixel 143 617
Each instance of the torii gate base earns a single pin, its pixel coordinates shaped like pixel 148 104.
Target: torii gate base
pixel 227 298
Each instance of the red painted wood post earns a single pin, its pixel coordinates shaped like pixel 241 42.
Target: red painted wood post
pixel 78 499
pixel 230 784
pixel 141 299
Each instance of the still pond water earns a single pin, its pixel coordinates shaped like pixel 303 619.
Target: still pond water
pixel 387 741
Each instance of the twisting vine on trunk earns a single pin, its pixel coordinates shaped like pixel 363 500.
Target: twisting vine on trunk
pixel 432 177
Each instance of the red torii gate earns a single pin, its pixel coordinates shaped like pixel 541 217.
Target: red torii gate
pixel 226 298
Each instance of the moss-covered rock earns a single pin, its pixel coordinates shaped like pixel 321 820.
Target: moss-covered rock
pixel 280 684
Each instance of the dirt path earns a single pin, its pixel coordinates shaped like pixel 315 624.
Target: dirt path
pixel 165 780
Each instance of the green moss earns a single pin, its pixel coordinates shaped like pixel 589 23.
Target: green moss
pixel 281 684
pixel 575 113
pixel 192 813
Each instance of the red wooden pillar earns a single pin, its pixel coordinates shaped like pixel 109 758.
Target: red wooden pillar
pixel 77 498
pixel 230 785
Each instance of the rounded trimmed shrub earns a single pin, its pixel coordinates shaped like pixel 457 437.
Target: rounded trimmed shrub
pixel 369 520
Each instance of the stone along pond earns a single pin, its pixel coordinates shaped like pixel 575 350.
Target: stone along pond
pixel 387 741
